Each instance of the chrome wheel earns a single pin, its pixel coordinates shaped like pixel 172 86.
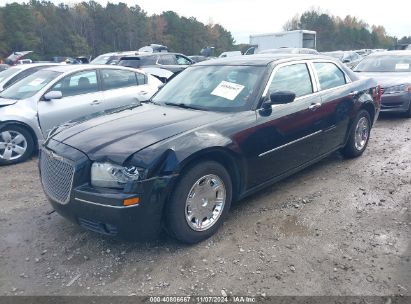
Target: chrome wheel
pixel 205 202
pixel 13 145
pixel 362 131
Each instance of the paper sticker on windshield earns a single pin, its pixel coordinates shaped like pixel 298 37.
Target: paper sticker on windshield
pixel 402 66
pixel 227 90
pixel 36 82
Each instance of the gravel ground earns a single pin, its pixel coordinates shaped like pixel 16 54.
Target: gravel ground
pixel 340 227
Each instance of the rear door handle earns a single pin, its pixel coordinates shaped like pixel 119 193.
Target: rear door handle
pixel 95 102
pixel 314 106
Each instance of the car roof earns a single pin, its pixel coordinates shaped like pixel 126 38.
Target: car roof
pixel 392 53
pixel 118 53
pixel 145 54
pixel 64 68
pixel 261 59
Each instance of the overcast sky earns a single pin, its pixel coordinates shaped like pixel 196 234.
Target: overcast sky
pixel 246 17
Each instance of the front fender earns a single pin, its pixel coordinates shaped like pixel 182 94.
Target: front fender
pixel 173 155
pixel 22 116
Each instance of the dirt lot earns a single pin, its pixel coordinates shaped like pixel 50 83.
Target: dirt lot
pixel 338 228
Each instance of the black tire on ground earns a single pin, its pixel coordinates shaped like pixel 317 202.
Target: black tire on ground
pixel 350 150
pixel 175 217
pixel 408 113
pixel 29 148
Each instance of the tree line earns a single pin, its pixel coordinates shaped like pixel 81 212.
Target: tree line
pixel 88 28
pixel 349 33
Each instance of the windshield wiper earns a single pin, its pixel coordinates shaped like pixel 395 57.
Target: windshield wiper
pixel 181 105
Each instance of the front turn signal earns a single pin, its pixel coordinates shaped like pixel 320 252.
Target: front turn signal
pixel 131 201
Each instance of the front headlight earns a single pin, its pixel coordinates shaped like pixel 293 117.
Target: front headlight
pixel 398 89
pixel 113 176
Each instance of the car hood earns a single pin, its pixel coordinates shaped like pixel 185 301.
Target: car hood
pixel 117 136
pixel 388 79
pixel 7 102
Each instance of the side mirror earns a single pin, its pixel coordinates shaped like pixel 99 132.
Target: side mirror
pixel 280 97
pixel 53 95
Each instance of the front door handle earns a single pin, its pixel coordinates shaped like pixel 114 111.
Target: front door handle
pixel 143 93
pixel 95 102
pixel 314 106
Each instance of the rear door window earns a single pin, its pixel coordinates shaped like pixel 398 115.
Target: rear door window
pixel 141 78
pixel 115 79
pixel 329 75
pixel 293 78
pixel 167 59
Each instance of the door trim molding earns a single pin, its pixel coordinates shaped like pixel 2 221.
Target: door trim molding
pixel 290 143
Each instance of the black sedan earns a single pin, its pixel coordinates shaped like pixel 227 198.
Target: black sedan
pixel 392 70
pixel 219 131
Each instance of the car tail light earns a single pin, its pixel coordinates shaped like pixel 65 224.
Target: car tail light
pixel 377 93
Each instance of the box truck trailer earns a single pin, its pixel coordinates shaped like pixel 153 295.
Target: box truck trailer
pixel 292 39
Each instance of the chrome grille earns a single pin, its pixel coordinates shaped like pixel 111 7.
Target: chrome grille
pixel 56 176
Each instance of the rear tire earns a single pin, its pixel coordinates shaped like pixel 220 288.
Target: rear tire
pixel 199 203
pixel 408 113
pixel 16 144
pixel 359 135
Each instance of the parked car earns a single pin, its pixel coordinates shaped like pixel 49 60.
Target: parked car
pixel 290 51
pixel 154 48
pixel 30 108
pixel 221 130
pixel 3 67
pixel 111 58
pixel 198 58
pixel 157 62
pixel 18 72
pixel 392 70
pixel 350 58
pixel 14 57
pixel 230 54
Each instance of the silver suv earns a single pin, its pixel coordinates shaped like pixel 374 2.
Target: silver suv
pixel 33 106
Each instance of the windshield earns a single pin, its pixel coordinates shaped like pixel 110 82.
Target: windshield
pixel 336 55
pixel 214 88
pixel 102 59
pixel 385 63
pixel 7 73
pixel 29 86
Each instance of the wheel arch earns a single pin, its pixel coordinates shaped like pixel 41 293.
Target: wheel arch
pixel 224 157
pixel 370 108
pixel 23 125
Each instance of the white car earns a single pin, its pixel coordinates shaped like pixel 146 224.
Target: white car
pixel 32 107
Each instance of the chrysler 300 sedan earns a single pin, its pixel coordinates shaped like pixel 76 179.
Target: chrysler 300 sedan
pixel 31 107
pixel 220 130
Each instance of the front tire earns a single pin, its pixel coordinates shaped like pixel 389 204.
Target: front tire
pixel 359 135
pixel 16 144
pixel 199 203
